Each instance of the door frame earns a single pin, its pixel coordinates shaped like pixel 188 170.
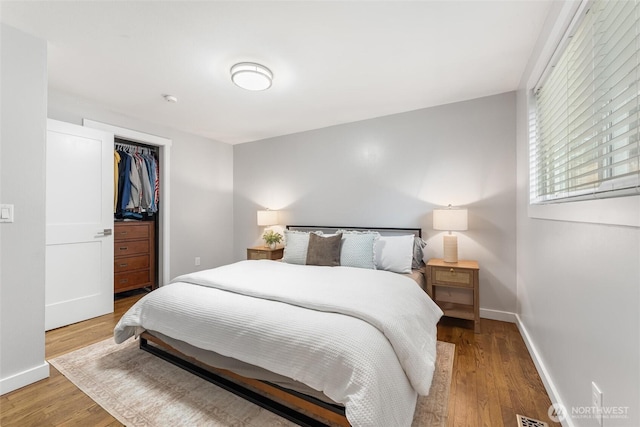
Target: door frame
pixel 164 147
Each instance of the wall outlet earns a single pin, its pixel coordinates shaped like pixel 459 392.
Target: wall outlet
pixel 596 399
pixel 197 260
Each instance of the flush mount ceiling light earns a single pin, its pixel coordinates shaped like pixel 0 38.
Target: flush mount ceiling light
pixel 251 76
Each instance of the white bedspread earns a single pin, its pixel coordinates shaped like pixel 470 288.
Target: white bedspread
pixel 365 338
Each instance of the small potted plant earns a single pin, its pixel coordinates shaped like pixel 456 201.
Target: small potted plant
pixel 272 238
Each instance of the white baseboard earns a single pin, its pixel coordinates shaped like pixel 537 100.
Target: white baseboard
pixel 542 370
pixel 24 378
pixel 504 316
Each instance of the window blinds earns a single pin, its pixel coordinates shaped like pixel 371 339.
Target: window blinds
pixel 585 130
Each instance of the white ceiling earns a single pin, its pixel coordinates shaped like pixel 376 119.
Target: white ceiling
pixel 333 61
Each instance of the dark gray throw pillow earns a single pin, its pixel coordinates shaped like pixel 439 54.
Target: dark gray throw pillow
pixel 324 250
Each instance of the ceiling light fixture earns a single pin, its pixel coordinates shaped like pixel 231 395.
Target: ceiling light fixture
pixel 251 76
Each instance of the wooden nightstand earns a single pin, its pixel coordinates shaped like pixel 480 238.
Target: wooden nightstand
pixel 262 252
pixel 454 286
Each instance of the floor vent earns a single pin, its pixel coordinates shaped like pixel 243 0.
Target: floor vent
pixel 530 422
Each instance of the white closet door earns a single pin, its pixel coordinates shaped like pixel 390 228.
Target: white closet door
pixel 79 216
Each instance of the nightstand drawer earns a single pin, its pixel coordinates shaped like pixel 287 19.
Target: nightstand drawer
pixel 453 277
pixel 258 255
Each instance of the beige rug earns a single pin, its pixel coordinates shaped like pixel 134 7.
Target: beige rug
pixel 139 389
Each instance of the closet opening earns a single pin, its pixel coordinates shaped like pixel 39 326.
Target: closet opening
pixel 162 218
pixel 136 215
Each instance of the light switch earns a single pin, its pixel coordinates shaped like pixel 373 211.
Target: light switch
pixel 6 213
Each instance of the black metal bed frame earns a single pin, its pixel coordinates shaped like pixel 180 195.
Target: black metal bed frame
pixel 246 393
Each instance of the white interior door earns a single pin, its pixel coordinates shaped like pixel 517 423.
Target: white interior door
pixel 79 215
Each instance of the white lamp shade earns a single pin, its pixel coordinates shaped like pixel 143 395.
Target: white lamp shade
pixel 266 218
pixel 450 219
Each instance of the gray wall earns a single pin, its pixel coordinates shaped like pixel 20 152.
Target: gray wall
pixel 23 83
pixel 201 214
pixel 201 199
pixel 393 171
pixel 578 291
pixel 579 299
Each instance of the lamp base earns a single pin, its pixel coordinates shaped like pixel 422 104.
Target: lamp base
pixel 450 248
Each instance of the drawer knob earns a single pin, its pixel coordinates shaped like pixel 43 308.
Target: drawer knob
pixel 451 270
pixel 124 280
pixel 123 248
pixel 123 265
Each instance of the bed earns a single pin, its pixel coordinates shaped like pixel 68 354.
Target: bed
pixel 317 344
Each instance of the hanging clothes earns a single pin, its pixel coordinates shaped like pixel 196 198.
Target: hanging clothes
pixel 151 171
pixel 116 177
pixel 136 185
pixel 136 182
pixel 157 185
pixel 145 199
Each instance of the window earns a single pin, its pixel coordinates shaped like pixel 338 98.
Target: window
pixel 585 133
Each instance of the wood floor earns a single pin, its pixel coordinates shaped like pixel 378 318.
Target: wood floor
pixel 493 378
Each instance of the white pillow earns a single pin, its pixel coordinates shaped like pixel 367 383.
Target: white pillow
pixel 296 244
pixel 394 253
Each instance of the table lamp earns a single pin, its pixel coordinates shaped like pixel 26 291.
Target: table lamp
pixel 450 219
pixel 267 218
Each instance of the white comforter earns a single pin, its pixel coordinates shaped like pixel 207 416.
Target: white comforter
pixel 365 338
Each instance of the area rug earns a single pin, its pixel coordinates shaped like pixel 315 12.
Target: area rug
pixel 139 389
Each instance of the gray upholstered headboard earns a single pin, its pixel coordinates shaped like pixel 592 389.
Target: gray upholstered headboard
pixel 384 231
